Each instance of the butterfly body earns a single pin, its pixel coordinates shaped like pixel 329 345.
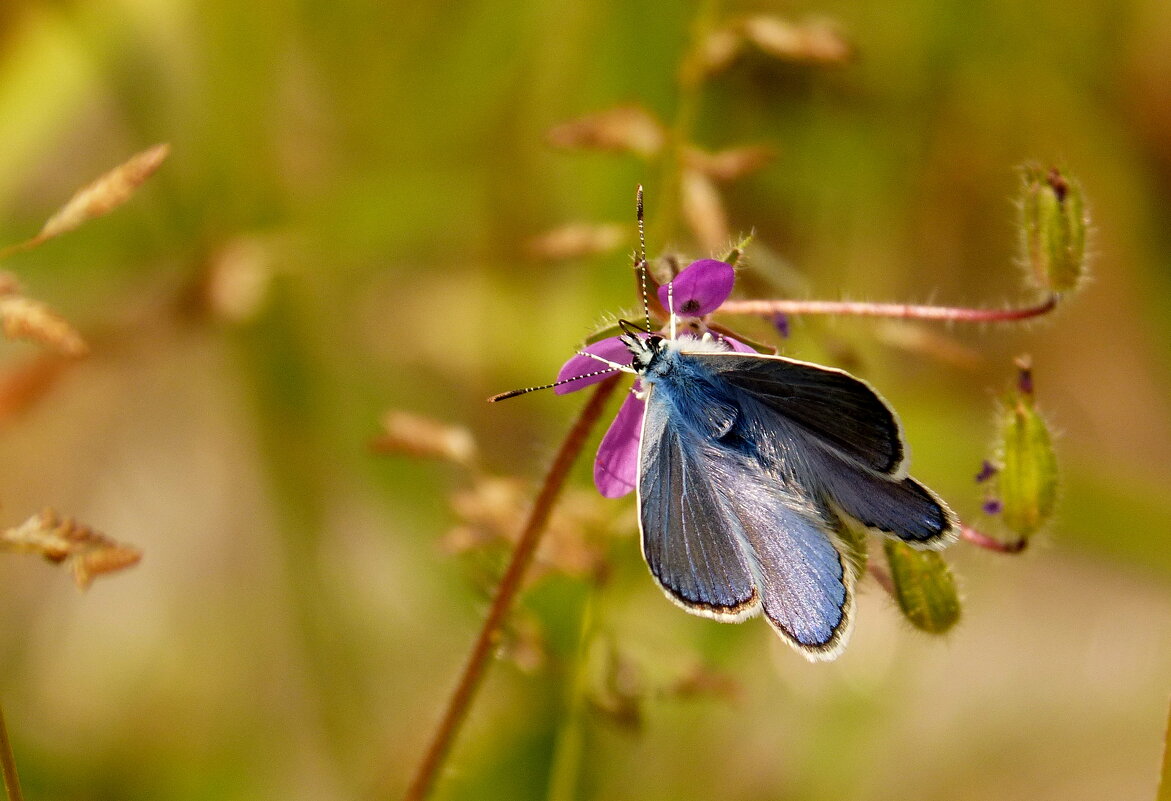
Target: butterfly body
pixel 749 466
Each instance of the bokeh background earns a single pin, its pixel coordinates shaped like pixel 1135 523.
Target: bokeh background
pixel 341 229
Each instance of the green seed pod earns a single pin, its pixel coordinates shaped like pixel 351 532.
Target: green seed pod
pixel 1053 228
pixel 923 586
pixel 1027 480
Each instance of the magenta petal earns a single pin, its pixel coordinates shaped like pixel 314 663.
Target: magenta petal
pixel 699 289
pixel 610 348
pixel 728 343
pixel 736 345
pixel 616 466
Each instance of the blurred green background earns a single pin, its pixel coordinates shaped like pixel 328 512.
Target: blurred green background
pixel 368 174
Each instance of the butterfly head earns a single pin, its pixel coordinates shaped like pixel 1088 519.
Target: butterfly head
pixel 643 349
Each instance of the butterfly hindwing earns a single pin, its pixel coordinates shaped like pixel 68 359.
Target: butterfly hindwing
pixel 805 586
pixel 904 508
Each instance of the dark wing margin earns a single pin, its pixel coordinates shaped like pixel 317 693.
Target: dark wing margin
pixel 836 408
pixel 688 541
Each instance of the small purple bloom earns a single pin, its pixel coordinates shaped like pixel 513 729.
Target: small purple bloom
pixel 987 471
pixel 1024 381
pixel 992 506
pixel 734 344
pixel 780 321
pixel 697 291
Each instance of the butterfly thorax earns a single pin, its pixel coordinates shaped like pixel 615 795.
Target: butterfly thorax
pixel 697 400
pixel 653 356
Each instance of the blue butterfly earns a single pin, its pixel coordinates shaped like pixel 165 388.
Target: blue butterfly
pixel 749 466
pixel 748 469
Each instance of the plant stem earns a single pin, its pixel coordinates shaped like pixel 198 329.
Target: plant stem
pixel 982 540
pixel 903 311
pixel 8 764
pixel 510 585
pixel 21 247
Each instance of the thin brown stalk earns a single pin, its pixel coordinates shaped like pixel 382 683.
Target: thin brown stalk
pixel 902 311
pixel 510 585
pixel 21 247
pixel 1165 773
pixel 982 540
pixel 8 764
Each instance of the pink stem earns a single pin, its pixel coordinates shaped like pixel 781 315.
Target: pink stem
pixel 898 310
pixel 981 540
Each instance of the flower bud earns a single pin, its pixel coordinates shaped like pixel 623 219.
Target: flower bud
pixel 811 41
pixel 625 129
pixel 1053 228
pixel 1027 479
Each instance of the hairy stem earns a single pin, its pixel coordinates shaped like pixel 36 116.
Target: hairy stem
pixel 8 764
pixel 882 577
pixel 899 310
pixel 510 584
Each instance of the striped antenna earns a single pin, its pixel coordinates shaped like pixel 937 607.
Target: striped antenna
pixel 611 367
pixel 646 309
pixel 512 393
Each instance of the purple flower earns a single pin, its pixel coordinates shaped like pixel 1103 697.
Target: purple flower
pixel 696 292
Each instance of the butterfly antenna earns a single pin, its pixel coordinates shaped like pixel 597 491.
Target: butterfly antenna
pixel 512 393
pixel 646 309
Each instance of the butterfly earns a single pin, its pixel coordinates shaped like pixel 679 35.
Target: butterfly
pixel 750 467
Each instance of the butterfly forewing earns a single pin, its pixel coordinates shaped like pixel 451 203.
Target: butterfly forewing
pixel 835 408
pixel 686 538
pixel 838 432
